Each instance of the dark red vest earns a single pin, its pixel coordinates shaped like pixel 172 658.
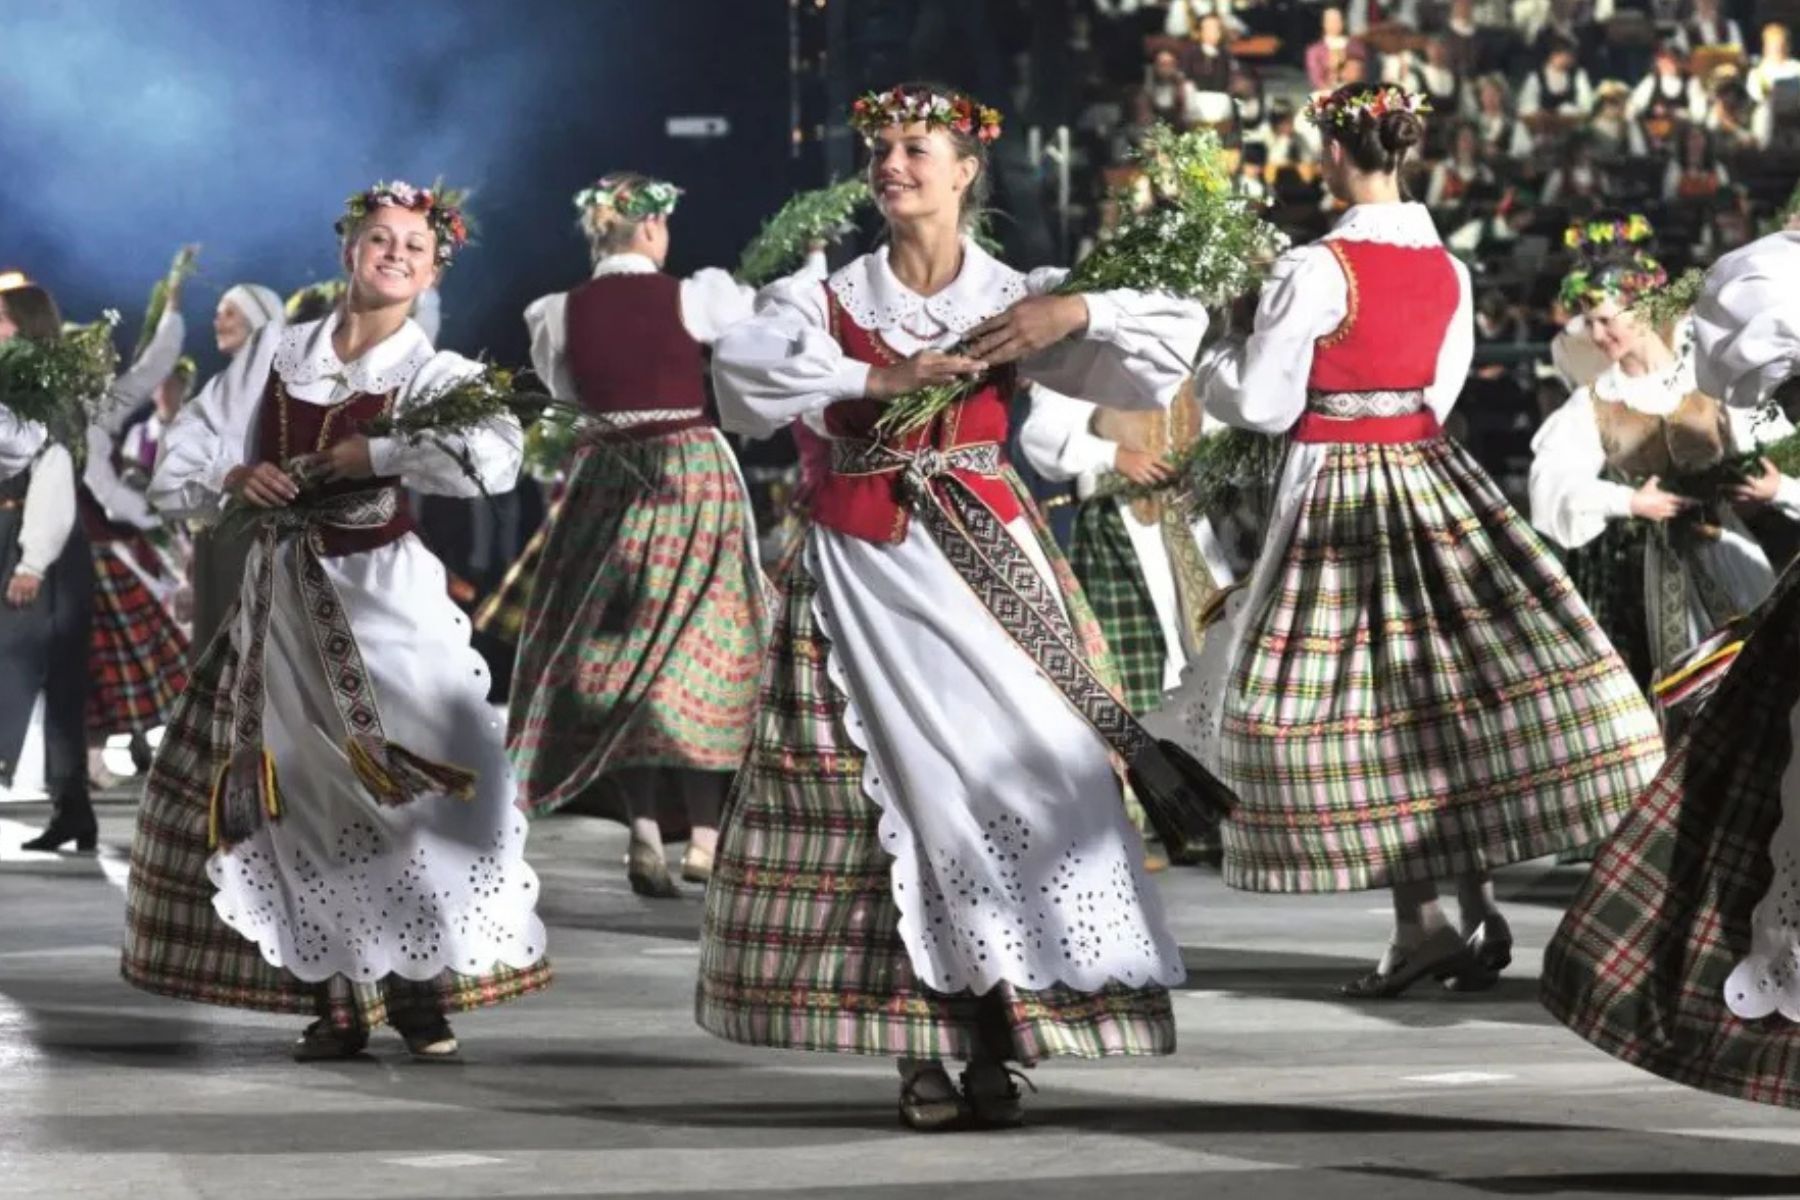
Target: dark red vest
pixel 288 428
pixel 869 506
pixel 629 352
pixel 1402 299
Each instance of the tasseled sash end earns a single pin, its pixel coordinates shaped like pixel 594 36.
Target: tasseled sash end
pixel 395 775
pixel 245 795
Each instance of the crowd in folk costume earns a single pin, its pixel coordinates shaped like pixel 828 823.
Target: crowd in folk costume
pixel 908 758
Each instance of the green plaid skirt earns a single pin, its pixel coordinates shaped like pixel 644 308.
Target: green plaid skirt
pixel 175 945
pixel 801 949
pixel 645 632
pixel 1422 693
pixel 1639 964
pixel 1106 563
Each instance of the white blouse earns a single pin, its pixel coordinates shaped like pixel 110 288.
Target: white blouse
pixel 1057 438
pixel 1747 321
pixel 1260 383
pixel 20 441
pixel 218 431
pixel 783 364
pixel 49 513
pixel 711 302
pixel 1570 501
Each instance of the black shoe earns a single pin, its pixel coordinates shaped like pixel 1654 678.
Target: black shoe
pixel 85 837
pixel 140 754
pixel 71 820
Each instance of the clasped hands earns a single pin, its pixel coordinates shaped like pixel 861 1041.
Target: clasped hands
pixel 1021 331
pixel 265 485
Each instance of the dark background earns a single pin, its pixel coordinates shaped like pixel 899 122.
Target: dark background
pixel 128 127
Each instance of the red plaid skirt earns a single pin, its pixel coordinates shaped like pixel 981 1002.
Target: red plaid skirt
pixel 137 655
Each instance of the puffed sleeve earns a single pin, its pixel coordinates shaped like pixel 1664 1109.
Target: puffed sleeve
pixel 139 382
pixel 1458 350
pixel 546 319
pixel 20 441
pixel 1570 502
pixel 440 465
pixel 212 434
pixel 49 515
pixel 712 302
pixel 1056 440
pixel 782 364
pixel 1260 383
pixel 1137 351
pixel 1747 323
pixel 121 501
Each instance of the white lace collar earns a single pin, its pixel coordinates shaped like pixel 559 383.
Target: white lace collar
pixel 305 358
pixel 878 302
pixel 1403 224
pixel 625 264
pixel 1654 392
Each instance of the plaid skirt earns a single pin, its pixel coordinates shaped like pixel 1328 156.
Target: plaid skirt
pixel 646 627
pixel 1421 692
pixel 1639 964
pixel 176 945
pixel 1106 563
pixel 502 615
pixel 137 655
pixel 800 948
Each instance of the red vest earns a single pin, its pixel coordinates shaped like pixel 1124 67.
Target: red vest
pixel 629 352
pixel 1402 299
pixel 869 506
pixel 288 428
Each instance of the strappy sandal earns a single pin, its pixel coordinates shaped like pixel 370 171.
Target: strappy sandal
pixel 932 1114
pixel 325 1042
pixel 1492 955
pixel 1002 1108
pixel 431 1041
pixel 648 872
pixel 1442 955
pixel 697 865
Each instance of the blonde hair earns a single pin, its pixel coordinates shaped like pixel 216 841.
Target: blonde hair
pixel 608 230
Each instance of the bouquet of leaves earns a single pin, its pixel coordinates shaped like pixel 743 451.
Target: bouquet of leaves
pixel 1664 306
pixel 186 259
pixel 806 220
pixel 1184 231
pixel 55 382
pixel 549 445
pixel 1212 473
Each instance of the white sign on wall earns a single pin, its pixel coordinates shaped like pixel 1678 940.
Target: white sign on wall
pixel 698 127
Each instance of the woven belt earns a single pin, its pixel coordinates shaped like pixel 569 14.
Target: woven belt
pixel 1181 799
pixel 1365 404
pixel 246 792
pixel 631 418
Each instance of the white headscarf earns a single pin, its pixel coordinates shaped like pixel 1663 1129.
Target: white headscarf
pixel 260 305
pixel 1747 322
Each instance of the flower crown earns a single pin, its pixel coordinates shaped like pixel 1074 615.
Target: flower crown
pixel 875 111
pixel 1623 282
pixel 446 218
pixel 631 199
pixel 1348 111
pixel 1633 230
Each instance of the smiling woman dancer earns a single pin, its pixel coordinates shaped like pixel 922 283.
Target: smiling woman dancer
pixel 329 826
pixel 926 854
pixel 1418 694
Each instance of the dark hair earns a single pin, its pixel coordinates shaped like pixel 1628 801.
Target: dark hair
pixel 975 199
pixel 1374 144
pixel 34 311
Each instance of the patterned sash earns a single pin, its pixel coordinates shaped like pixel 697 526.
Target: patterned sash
pixel 246 791
pixel 1182 800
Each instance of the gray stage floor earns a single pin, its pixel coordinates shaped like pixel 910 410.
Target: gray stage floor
pixel 604 1087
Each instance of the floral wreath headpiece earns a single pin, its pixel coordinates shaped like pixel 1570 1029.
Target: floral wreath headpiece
pixel 445 217
pixel 874 111
pixel 1625 282
pixel 632 199
pixel 1348 111
pixel 1634 230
